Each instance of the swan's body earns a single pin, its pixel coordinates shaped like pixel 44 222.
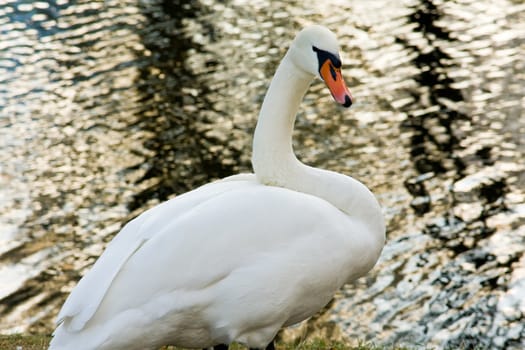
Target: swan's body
pixel 237 259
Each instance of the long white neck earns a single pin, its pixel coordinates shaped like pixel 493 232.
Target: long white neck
pixel 274 162
pixel 272 143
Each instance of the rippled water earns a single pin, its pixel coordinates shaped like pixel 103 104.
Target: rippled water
pixel 109 107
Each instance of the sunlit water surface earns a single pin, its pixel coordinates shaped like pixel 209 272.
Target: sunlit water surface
pixel 109 107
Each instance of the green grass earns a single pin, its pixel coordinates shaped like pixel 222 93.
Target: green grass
pixel 24 342
pixel 319 344
pixel 40 342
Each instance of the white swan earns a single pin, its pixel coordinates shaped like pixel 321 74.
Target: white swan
pixel 237 259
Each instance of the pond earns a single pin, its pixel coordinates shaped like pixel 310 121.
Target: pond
pixel 110 107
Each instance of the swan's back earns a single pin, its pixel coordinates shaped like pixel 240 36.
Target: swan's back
pixel 217 276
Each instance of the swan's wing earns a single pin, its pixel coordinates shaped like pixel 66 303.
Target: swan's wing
pixel 86 297
pixel 255 253
pixel 236 235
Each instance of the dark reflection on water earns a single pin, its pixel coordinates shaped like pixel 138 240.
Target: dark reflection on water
pixel 174 103
pixel 463 274
pixel 111 107
pixel 431 122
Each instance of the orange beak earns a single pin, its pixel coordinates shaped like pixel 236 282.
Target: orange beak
pixel 334 80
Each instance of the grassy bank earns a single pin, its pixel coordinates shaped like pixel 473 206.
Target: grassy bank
pixel 40 342
pixel 24 342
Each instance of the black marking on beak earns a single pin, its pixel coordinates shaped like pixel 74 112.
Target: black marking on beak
pixel 348 101
pixel 333 73
pixel 323 55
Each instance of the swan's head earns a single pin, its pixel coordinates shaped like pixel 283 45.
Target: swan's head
pixel 316 51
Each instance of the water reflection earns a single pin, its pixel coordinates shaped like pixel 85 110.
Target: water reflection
pixel 447 284
pixel 110 107
pixel 434 110
pixel 190 144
